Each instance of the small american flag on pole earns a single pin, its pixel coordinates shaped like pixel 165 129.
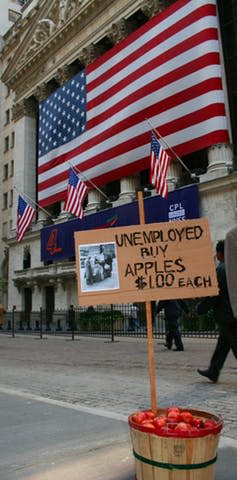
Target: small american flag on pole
pixel 76 192
pixel 159 166
pixel 25 214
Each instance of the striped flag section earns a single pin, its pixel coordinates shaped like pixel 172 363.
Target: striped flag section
pixel 167 71
pixel 76 192
pixel 159 167
pixel 25 214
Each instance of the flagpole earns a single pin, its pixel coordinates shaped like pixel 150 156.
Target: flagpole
pixel 36 204
pixel 169 147
pixel 89 181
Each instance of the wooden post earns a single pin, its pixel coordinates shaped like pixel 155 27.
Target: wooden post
pixel 150 344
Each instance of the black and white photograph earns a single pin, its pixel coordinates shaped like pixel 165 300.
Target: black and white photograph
pixel 98 267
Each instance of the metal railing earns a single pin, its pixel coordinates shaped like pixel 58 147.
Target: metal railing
pixel 106 321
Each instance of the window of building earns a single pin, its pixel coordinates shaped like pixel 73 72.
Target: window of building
pixel 8 91
pixel 7 116
pixel 11 198
pixel 12 168
pixel 12 139
pixel 5 201
pixel 5 172
pixel 54 210
pixel 4 230
pixel 6 144
pixel 27 258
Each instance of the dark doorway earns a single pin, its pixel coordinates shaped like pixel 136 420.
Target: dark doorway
pixel 49 306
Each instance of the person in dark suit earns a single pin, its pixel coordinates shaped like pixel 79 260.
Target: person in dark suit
pixel 230 265
pixel 173 310
pixel 221 305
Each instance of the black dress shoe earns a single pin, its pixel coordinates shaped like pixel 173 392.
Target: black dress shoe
pixel 211 376
pixel 179 349
pixel 167 346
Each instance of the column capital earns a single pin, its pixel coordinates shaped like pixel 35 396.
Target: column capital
pixel 89 54
pixel 25 108
pixel 65 73
pixel 151 7
pixel 119 31
pixel 43 91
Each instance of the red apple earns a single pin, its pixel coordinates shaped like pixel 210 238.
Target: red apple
pixel 138 417
pixel 149 414
pixel 186 417
pixel 182 427
pixel 159 421
pixel 173 409
pixel 173 416
pixel 148 425
pixel 209 424
pixel 198 422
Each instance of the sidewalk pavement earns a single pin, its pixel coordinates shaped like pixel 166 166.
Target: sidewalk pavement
pixel 98 383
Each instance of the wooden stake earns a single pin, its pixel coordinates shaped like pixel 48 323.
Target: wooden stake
pixel 150 343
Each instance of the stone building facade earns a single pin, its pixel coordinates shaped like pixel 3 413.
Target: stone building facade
pixel 46 46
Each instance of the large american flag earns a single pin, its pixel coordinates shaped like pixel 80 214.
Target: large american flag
pixel 159 167
pixel 167 71
pixel 25 215
pixel 76 193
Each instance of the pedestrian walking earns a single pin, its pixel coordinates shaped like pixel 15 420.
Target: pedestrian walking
pixel 173 310
pixel 223 312
pixel 134 321
pixel 230 265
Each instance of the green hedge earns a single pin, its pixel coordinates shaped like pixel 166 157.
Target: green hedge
pixel 196 323
pixel 98 321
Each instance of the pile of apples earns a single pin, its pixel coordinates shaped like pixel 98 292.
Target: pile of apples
pixel 175 421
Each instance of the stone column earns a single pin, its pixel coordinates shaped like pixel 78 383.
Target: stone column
pixel 94 201
pixel 24 115
pixel 59 288
pixel 36 297
pixel 128 189
pixel 173 174
pixel 220 160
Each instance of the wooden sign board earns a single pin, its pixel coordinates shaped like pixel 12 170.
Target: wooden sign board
pixel 147 262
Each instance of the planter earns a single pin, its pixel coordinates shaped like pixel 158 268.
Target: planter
pixel 172 455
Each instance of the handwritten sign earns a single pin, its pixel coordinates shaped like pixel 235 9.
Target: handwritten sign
pixel 145 262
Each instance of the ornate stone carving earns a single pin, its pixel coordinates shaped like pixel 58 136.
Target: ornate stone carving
pixel 26 108
pixel 43 91
pixel 44 30
pixel 152 7
pixel 64 73
pixel 119 31
pixel 89 54
pixel 66 9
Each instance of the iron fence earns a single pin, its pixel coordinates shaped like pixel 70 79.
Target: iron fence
pixel 107 321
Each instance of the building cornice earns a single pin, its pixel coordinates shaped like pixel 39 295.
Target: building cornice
pixel 228 182
pixel 56 38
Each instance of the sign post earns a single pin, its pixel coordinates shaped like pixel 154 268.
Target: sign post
pixel 145 262
pixel 150 343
